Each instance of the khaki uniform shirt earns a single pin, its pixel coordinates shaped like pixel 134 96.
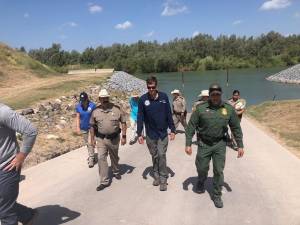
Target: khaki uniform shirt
pixel 108 120
pixel 179 105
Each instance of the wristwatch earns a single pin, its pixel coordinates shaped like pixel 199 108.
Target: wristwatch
pixel 124 136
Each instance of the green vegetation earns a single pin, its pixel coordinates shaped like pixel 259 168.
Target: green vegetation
pixel 202 52
pixel 20 60
pixel 282 118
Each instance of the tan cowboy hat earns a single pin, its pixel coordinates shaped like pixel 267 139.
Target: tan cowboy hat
pixel 204 93
pixel 176 91
pixel 103 93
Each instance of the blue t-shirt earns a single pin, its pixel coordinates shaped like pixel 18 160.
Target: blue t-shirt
pixel 85 115
pixel 134 108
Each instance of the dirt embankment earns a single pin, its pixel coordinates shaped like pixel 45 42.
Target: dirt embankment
pixel 281 119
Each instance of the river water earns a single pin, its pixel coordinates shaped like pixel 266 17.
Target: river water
pixel 250 82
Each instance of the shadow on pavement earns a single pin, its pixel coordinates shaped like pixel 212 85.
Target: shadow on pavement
pixel 149 171
pixel 208 185
pixel 126 169
pixel 54 215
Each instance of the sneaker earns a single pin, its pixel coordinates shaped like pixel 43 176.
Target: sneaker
pixel 200 187
pixel 218 202
pixel 34 216
pixel 163 187
pixel 156 182
pixel 101 187
pixel 118 176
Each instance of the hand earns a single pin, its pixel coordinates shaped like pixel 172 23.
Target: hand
pixel 172 136
pixel 240 152
pixel 188 150
pixel 123 141
pixel 17 162
pixel 141 140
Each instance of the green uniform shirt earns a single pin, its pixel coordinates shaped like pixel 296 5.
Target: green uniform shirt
pixel 211 122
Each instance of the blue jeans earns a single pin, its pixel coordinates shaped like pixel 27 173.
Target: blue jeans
pixel 10 211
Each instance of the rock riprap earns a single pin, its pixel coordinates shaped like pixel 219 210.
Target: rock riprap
pixel 290 75
pixel 125 82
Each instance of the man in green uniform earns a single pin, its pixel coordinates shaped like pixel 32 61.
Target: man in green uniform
pixel 211 120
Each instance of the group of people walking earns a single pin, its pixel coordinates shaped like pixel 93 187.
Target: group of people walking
pixel 104 127
pixel 154 121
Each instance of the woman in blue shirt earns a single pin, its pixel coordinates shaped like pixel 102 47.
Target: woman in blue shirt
pixel 133 117
pixel 84 111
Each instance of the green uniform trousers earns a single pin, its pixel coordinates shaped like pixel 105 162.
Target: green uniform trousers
pixel 217 153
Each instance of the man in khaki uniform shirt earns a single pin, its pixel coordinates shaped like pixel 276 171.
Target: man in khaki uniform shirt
pixel 105 125
pixel 179 109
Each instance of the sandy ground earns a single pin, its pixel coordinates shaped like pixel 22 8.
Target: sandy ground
pixel 261 188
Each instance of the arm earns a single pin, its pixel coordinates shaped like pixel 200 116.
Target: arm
pixel 183 105
pixel 191 128
pixel 92 130
pixel 240 112
pixel 20 124
pixel 140 118
pixel 123 128
pixel 78 123
pixel 190 131
pixel 169 117
pixel 236 129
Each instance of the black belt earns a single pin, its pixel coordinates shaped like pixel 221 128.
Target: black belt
pixel 108 136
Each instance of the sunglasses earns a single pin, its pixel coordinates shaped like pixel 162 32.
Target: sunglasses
pixel 215 94
pixel 151 87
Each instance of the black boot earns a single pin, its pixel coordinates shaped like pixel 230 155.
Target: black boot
pixel 218 202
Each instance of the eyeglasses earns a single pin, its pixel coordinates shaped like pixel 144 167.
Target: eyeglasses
pixel 151 87
pixel 215 94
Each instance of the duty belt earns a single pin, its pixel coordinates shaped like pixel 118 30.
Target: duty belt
pixel 107 136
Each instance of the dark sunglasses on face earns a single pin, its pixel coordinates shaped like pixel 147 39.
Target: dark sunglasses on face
pixel 151 87
pixel 215 94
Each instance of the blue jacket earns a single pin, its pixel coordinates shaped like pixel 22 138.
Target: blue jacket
pixel 156 115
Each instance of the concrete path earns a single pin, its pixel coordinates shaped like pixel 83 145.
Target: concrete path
pixel 260 189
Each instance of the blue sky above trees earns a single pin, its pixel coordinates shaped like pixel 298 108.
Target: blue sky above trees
pixel 77 24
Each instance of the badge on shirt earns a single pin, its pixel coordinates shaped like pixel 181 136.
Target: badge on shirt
pixel 224 111
pixel 147 102
pixel 163 101
pixel 89 109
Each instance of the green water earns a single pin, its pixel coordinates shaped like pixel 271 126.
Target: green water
pixel 251 83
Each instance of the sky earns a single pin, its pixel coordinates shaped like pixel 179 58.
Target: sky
pixel 77 24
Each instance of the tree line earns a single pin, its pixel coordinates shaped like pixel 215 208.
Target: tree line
pixel 202 52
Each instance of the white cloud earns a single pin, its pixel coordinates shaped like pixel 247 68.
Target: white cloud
pixel 94 8
pixel 68 24
pixel 123 26
pixel 26 15
pixel 172 8
pixel 237 22
pixel 196 33
pixel 297 14
pixel 150 34
pixel 275 4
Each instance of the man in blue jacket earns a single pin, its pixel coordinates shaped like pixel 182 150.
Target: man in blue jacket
pixel 155 113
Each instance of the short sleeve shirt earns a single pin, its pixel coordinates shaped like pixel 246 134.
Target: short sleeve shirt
pixel 108 120
pixel 85 115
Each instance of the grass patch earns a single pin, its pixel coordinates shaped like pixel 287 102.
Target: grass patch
pixel 282 118
pixel 52 91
